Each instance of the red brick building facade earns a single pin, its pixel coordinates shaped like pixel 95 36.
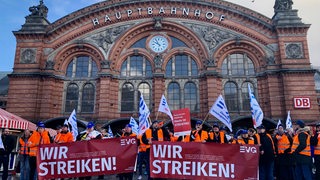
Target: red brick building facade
pixel 99 59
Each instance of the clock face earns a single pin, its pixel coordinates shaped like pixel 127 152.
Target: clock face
pixel 158 43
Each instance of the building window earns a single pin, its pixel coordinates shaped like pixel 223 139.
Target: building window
pixel 127 97
pixel 82 67
pixel 181 66
pixel 81 72
pixel 245 99
pixel 88 95
pixel 144 88
pixel 72 97
pixel 190 96
pixel 136 66
pixel 231 96
pixel 174 96
pixel 237 65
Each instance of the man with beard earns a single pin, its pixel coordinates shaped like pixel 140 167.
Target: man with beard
pixel 64 136
pixel 199 135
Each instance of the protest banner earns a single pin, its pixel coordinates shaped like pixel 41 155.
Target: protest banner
pixel 181 122
pixel 193 160
pixel 86 158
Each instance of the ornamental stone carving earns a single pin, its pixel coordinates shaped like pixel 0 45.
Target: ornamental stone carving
pixel 294 50
pixel 106 38
pixel 105 64
pixel 49 65
pixel 210 63
pixel 28 55
pixel 211 35
pixel 158 61
pixel 283 5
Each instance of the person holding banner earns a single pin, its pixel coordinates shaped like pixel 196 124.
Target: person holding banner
pixel 315 141
pixel 199 135
pixel 267 155
pixel 127 133
pixel 244 138
pixel 301 151
pixel 154 133
pixel 40 136
pixel 284 157
pixel 216 135
pixel 64 136
pixel 24 155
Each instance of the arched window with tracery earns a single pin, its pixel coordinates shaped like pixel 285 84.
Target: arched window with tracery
pixel 190 96
pixel 88 94
pixel 72 97
pixel 174 96
pixel 231 96
pixel 127 97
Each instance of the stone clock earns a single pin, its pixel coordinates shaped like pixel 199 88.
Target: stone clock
pixel 158 43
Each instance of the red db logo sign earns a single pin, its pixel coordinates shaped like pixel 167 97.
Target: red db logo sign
pixel 302 102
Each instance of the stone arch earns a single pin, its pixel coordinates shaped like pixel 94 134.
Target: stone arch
pixel 146 29
pixel 64 57
pixel 256 53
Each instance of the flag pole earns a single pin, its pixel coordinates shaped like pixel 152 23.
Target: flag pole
pixel 205 118
pixel 157 115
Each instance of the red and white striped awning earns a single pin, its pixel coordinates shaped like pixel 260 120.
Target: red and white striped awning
pixel 9 120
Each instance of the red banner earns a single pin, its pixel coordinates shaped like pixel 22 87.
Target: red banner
pixel 203 161
pixel 87 158
pixel 181 122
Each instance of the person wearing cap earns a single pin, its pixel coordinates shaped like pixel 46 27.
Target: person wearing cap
pixel 216 135
pixel 253 133
pixel 244 138
pixel 199 135
pixel 8 143
pixel 267 155
pixel 154 133
pixel 40 136
pixel 127 132
pixel 89 133
pixel 301 151
pixel 64 136
pixel 24 155
pixel 285 169
pixel 315 141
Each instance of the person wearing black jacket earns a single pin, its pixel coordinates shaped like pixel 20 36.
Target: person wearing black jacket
pixel 315 141
pixel 267 151
pixel 5 151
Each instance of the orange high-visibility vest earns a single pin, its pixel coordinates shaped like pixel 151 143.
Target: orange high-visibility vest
pixel 186 138
pixel 221 136
pixel 23 147
pixel 36 139
pixel 202 137
pixel 64 138
pixel 317 148
pixel 283 143
pixel 149 134
pixel 306 151
pixel 241 141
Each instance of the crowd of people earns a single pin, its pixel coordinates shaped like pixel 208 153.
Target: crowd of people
pixel 287 154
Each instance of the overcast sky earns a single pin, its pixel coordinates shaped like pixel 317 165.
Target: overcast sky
pixel 13 12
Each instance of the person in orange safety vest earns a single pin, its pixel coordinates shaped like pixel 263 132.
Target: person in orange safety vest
pixel 244 138
pixel 216 135
pixel 64 136
pixel 24 155
pixel 199 135
pixel 40 136
pixel 315 142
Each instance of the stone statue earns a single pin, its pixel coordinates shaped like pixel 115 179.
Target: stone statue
pixel 40 10
pixel 281 5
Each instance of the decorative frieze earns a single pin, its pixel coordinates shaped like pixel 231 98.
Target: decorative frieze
pixel 28 55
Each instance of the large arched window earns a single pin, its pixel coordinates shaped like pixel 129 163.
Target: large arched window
pixel 82 70
pixel 136 66
pixel 144 88
pixel 174 96
pixel 88 95
pixel 237 70
pixel 127 97
pixel 72 97
pixel 231 96
pixel 181 66
pixel 82 67
pixel 190 96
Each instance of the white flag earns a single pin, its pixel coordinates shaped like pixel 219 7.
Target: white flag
pixel 144 113
pixel 134 124
pixel 256 111
pixel 220 111
pixel 288 121
pixel 164 107
pixel 73 122
pixel 110 133
pixel 279 123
